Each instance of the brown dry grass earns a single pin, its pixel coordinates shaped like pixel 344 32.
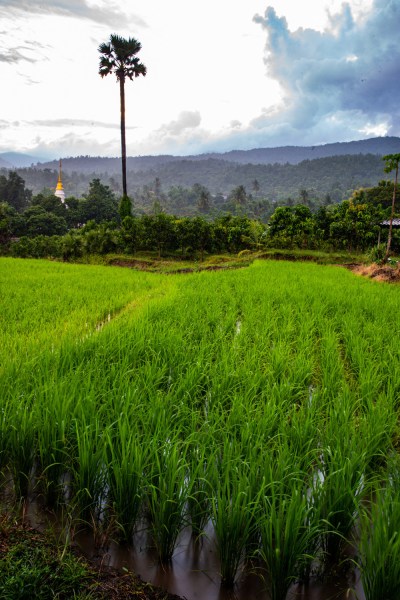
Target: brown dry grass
pixel 386 273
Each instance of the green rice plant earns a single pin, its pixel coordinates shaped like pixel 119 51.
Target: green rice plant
pixel 167 493
pixel 337 491
pixel 21 447
pixel 89 477
pixel 299 429
pixel 378 430
pixel 201 457
pixel 379 545
pixel 44 303
pixel 289 535
pixel 53 459
pixel 125 464
pixel 232 512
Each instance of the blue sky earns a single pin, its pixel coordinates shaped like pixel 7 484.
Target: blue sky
pixel 222 75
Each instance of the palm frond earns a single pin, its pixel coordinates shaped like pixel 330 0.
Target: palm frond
pixel 119 57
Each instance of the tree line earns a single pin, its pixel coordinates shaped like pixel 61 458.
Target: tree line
pixel 41 225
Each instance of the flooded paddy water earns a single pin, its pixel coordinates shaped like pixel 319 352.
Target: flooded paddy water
pixel 193 572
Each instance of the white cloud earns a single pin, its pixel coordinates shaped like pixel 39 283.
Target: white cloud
pixel 107 13
pixel 186 120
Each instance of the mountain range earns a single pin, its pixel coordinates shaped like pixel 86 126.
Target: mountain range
pixel 261 156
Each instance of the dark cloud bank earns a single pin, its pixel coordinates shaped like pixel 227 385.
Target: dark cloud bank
pixel 341 84
pixel 343 79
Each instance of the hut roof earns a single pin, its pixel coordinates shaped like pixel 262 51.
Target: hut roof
pixel 396 223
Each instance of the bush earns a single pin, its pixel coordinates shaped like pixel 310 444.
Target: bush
pixel 377 254
pixel 41 246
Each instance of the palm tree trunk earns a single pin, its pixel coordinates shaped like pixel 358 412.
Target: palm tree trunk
pixel 123 142
pixel 392 215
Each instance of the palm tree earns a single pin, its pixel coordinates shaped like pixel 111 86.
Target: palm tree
pixel 391 164
pixel 119 57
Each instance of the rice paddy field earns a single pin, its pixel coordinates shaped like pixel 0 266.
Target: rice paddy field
pixel 256 406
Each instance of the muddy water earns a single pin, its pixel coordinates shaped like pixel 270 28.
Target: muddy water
pixel 193 572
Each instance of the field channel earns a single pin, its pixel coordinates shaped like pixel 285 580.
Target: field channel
pixel 228 434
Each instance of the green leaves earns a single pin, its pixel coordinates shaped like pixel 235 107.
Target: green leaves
pixel 119 57
pixel 391 162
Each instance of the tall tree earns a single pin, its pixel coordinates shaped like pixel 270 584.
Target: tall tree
pixel 13 191
pixel 392 164
pixel 99 204
pixel 256 186
pixel 119 57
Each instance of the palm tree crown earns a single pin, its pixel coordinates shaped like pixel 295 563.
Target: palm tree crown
pixel 119 57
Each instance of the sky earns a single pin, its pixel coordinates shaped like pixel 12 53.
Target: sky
pixel 221 75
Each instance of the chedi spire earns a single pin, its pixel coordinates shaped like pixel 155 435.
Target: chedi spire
pixel 60 189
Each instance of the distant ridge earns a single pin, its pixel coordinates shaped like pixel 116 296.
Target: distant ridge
pixel 4 164
pixel 261 156
pixel 10 160
pixel 296 154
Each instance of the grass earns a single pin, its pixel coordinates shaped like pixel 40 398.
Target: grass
pixel 31 566
pixel 203 399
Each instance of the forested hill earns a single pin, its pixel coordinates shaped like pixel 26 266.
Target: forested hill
pixel 280 155
pixel 337 176
pixel 333 170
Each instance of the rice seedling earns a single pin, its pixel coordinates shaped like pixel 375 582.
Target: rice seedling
pixel 200 462
pixel 379 545
pixel 53 423
pixel 289 533
pixel 53 460
pixel 125 464
pixel 337 490
pixel 64 301
pixel 167 492
pixel 232 512
pixel 89 482
pixel 378 430
pixel 21 447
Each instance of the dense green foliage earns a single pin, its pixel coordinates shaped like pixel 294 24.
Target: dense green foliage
pixel 100 223
pixel 264 399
